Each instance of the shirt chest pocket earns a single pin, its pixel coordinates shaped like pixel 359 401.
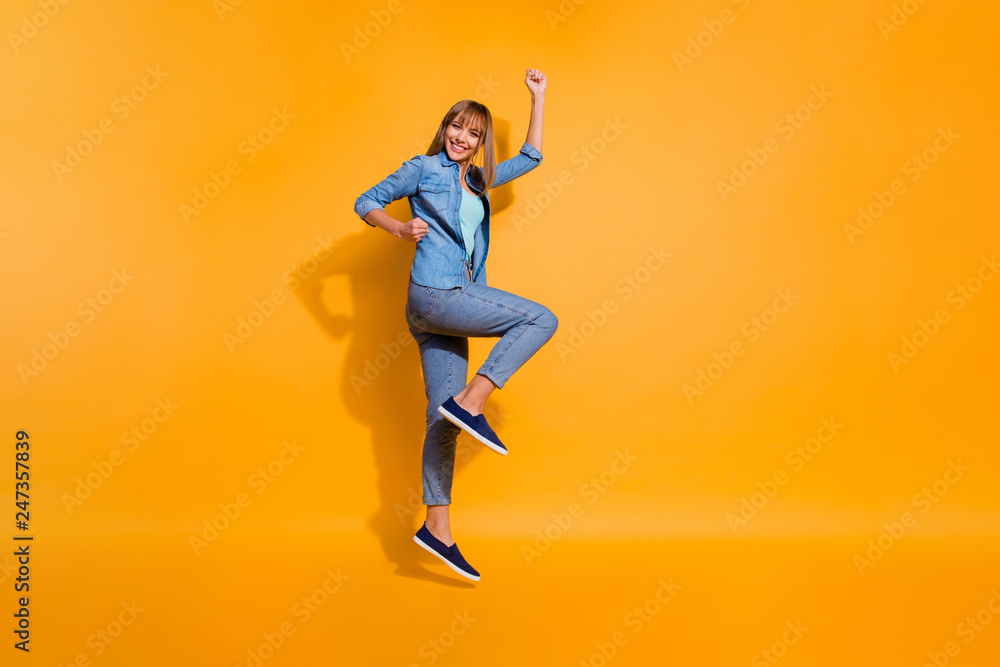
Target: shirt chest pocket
pixel 435 188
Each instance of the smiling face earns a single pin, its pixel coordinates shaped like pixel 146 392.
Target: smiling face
pixel 461 139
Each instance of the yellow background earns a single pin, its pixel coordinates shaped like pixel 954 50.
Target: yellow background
pixel 661 136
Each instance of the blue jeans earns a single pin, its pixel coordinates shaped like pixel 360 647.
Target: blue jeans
pixel 440 321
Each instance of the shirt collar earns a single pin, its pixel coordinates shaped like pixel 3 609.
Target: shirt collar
pixel 445 161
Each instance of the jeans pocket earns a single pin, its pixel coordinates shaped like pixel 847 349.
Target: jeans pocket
pixel 419 302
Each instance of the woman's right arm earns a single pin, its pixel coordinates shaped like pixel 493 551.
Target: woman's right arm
pixel 370 206
pixel 414 230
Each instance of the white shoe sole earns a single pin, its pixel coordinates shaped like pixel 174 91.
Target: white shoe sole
pixel 445 560
pixel 471 431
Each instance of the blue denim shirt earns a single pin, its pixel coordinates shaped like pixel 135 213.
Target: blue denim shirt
pixel 430 182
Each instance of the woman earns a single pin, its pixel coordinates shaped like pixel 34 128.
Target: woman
pixel 448 298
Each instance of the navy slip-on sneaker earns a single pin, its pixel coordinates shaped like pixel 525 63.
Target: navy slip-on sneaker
pixel 450 555
pixel 474 425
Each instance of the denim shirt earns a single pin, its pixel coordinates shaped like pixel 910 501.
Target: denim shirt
pixel 430 182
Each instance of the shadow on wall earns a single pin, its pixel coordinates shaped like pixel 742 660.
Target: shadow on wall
pixel 381 380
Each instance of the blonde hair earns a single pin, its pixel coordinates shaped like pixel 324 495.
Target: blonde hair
pixel 471 112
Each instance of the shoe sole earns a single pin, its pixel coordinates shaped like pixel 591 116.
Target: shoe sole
pixel 471 431
pixel 445 560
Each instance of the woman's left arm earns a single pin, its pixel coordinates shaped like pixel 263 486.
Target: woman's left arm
pixel 535 81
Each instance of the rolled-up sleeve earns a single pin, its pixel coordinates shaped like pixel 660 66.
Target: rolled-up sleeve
pixel 526 159
pixel 401 183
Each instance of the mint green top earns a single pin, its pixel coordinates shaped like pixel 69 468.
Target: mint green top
pixel 471 216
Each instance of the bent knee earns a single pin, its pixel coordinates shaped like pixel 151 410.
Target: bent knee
pixel 547 320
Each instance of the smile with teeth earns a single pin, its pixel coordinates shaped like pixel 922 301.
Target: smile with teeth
pixel 457 149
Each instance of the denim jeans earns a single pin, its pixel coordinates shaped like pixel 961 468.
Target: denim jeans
pixel 440 321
